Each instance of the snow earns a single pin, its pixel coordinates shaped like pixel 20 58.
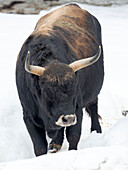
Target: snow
pixel 106 151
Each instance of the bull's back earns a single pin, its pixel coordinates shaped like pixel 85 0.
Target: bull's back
pixel 74 25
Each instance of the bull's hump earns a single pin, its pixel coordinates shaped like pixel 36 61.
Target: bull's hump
pixel 54 17
pixel 74 25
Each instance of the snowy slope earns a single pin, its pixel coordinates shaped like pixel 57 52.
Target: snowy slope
pixel 106 151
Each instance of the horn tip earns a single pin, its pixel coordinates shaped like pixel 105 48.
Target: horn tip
pixel 28 52
pixel 27 66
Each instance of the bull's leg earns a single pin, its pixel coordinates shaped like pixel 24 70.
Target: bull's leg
pixel 38 137
pixel 57 142
pixel 73 133
pixel 92 109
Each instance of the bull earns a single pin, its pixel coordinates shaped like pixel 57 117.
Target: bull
pixel 59 72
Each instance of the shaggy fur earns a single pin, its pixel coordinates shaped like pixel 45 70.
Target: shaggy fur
pixel 59 38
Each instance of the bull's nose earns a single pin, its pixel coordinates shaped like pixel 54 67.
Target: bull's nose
pixel 67 120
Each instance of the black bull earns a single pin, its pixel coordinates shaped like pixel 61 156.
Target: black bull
pixel 53 88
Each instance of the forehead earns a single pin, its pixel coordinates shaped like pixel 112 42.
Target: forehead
pixel 59 73
pixel 60 84
pixel 60 78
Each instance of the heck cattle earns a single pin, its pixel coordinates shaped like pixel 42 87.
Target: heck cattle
pixel 60 71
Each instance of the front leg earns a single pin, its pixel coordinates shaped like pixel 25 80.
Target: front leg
pixel 73 132
pixel 57 142
pixel 38 137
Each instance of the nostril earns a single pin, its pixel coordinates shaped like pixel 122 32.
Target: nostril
pixel 64 120
pixel 68 119
pixel 73 119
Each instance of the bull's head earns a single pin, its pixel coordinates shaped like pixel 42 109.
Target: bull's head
pixel 59 85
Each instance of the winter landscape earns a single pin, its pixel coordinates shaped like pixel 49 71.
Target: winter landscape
pixel 106 151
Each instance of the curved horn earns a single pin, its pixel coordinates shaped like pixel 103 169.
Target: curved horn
pixel 37 70
pixel 77 65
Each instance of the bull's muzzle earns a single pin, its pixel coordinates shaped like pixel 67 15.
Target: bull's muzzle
pixel 67 120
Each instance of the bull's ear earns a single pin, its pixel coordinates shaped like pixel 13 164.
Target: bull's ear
pixel 37 70
pixel 79 64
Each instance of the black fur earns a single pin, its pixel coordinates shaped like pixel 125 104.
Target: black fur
pixel 59 91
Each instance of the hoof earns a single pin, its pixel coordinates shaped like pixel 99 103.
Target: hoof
pixel 53 148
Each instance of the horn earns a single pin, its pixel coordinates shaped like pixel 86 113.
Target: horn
pixel 37 70
pixel 77 65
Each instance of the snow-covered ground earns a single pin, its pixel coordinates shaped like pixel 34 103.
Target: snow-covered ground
pixel 106 151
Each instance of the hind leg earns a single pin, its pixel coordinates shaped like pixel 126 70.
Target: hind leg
pixel 92 109
pixel 57 142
